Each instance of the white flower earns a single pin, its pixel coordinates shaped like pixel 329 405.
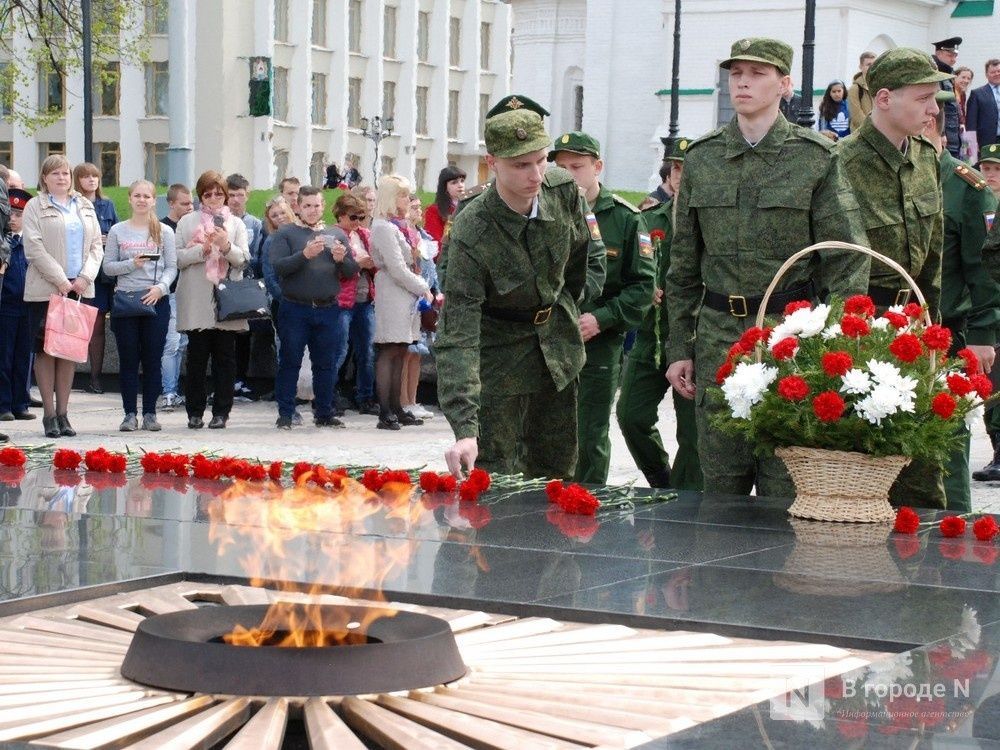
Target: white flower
pixel 891 670
pixel 781 331
pixel 883 401
pixel 886 373
pixel 975 414
pixel 856 381
pixel 805 322
pixel 832 332
pixel 896 309
pixel 746 386
pixel 880 324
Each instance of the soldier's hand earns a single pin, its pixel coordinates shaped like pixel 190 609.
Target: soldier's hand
pixel 588 326
pixel 462 455
pixel 681 377
pixel 987 355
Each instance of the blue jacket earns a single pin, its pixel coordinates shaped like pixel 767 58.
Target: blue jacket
pixel 270 276
pixel 12 301
pixel 106 215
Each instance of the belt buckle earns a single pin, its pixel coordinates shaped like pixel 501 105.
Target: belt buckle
pixel 742 301
pixel 542 316
pixel 902 297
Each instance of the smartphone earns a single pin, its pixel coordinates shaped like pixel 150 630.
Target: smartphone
pixel 149 256
pixel 219 221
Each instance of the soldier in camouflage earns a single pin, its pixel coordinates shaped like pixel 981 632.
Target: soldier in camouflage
pixel 895 174
pixel 626 297
pixel 643 382
pixel 753 193
pixel 508 347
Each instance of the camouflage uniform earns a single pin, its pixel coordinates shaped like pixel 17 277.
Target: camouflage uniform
pixel 900 198
pixel 508 346
pixel 991 261
pixel 742 210
pixel 644 382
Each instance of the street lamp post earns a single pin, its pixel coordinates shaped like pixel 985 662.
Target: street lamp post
pixel 88 82
pixel 376 130
pixel 668 142
pixel 806 116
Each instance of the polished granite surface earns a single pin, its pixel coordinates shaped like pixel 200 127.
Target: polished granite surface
pixel 732 565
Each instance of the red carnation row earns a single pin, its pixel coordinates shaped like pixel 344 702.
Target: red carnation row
pixel 431 482
pixel 100 459
pixel 984 528
pixel 305 472
pixel 374 480
pixel 572 498
pixel 165 463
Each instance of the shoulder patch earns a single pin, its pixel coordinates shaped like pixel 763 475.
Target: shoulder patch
pixel 557 176
pixel 971 176
pixel 622 202
pixel 988 217
pixel 472 192
pixel 645 245
pixel 595 229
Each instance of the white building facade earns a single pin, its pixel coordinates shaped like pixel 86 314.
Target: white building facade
pixel 605 66
pixel 434 66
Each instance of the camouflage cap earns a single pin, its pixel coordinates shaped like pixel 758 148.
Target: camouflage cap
pixel 515 133
pixel 759 49
pixel 577 143
pixel 903 66
pixel 515 102
pixel 990 153
pixel 679 149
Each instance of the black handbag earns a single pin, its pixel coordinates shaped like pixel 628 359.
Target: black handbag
pixel 240 299
pixel 130 305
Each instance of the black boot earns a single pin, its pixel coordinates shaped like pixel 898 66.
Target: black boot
pixel 990 472
pixel 659 479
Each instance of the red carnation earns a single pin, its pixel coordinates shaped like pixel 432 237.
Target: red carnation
pixel 468 492
pixel 737 350
pixel 66 459
pixel 97 459
pixel 11 456
pixel 913 310
pixel 553 490
pixel 117 463
pixel 275 470
pixel 299 469
pixel 860 304
pixel 952 526
pixel 797 305
pixel 971 361
pixel 854 327
pixel 723 372
pixel 943 404
pixel 150 462
pixel 576 499
pixel 836 364
pixel 657 235
pixel 938 338
pixel 896 320
pixel 985 528
pixel 447 483
pixel 793 388
pixel 428 481
pixel 907 521
pixel 752 336
pixel 828 406
pixel 959 384
pixel 785 349
pixel 906 347
pixel 372 480
pixel 479 478
pixel 396 476
pixel 982 385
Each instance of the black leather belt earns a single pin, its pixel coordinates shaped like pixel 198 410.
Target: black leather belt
pixel 313 302
pixel 889 297
pixel 538 316
pixel 740 307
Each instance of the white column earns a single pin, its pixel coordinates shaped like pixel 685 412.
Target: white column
pixel 337 33
pixel 25 145
pixel 300 88
pixel 406 87
pixel 181 61
pixel 73 117
pixel 262 174
pixel 132 108
pixel 468 119
pixel 371 86
pixel 437 97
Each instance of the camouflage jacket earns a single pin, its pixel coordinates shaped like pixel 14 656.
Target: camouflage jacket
pixel 501 259
pixel 900 199
pixel 743 210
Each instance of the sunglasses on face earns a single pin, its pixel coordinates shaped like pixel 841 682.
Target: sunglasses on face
pixel 356 217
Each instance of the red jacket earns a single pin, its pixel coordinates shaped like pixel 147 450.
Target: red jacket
pixel 433 223
pixel 347 297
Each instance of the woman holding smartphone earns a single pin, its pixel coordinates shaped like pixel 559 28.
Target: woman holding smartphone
pixel 140 255
pixel 211 243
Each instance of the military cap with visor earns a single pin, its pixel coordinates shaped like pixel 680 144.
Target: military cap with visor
pixel 990 153
pixel 903 66
pixel 761 50
pixel 515 102
pixel 576 143
pixel 18 198
pixel 515 133
pixel 679 150
pixel 949 45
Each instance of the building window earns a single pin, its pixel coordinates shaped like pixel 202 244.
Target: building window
pixel 420 173
pixel 156 163
pixel 7 152
pixel 421 124
pixel 354 102
pixel 484 107
pixel 317 169
pixel 108 158
pixel 106 91
pixel 280 165
pixel 281 20
pixel 389 32
pixel 6 98
pixel 319 23
pixel 157 89
pixel 281 94
pixel 485 34
pixel 156 18
pixel 453 114
pixel 423 35
pixel 318 99
pixel 455 42
pixel 388 99
pixel 354 10
pixel 388 165
pixel 48 148
pixel 578 108
pixel 50 93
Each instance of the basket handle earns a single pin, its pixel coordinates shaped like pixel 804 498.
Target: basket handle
pixel 835 245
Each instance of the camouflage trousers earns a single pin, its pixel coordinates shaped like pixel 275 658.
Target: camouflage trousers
pixel 598 385
pixel 531 433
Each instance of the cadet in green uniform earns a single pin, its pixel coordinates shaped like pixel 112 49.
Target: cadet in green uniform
pixel 644 382
pixel 508 346
pixel 989 156
pixel 621 306
pixel 896 177
pixel 753 193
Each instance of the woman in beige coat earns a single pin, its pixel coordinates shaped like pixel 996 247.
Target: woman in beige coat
pixel 207 252
pixel 62 243
pixel 397 290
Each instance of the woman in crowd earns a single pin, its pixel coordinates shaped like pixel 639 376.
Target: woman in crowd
pixel 87 181
pixel 367 195
pixel 356 301
pixel 963 80
pixel 211 244
pixel 397 289
pixel 140 255
pixel 451 185
pixel 424 252
pixel 63 246
pixel 833 114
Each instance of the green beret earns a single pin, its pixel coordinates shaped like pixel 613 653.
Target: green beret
pixel 771 51
pixel 990 153
pixel 515 133
pixel 903 66
pixel 679 149
pixel 514 102
pixel 577 143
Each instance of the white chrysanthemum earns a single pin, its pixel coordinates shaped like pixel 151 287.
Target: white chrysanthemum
pixel 805 323
pixel 880 324
pixel 884 401
pixel 975 414
pixel 832 332
pixel 896 309
pixel 780 332
pixel 856 381
pixel 746 386
pixel 886 373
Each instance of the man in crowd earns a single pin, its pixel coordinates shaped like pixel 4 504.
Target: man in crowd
pixel 991 261
pixel 662 193
pixel 945 57
pixel 982 112
pixel 895 174
pixel 509 348
pixel 753 192
pixel 289 188
pixel 859 100
pixel 15 341
pixel 179 204
pixel 238 185
pixel 626 297
pixel 790 102
pixel 989 165
pixel 309 264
